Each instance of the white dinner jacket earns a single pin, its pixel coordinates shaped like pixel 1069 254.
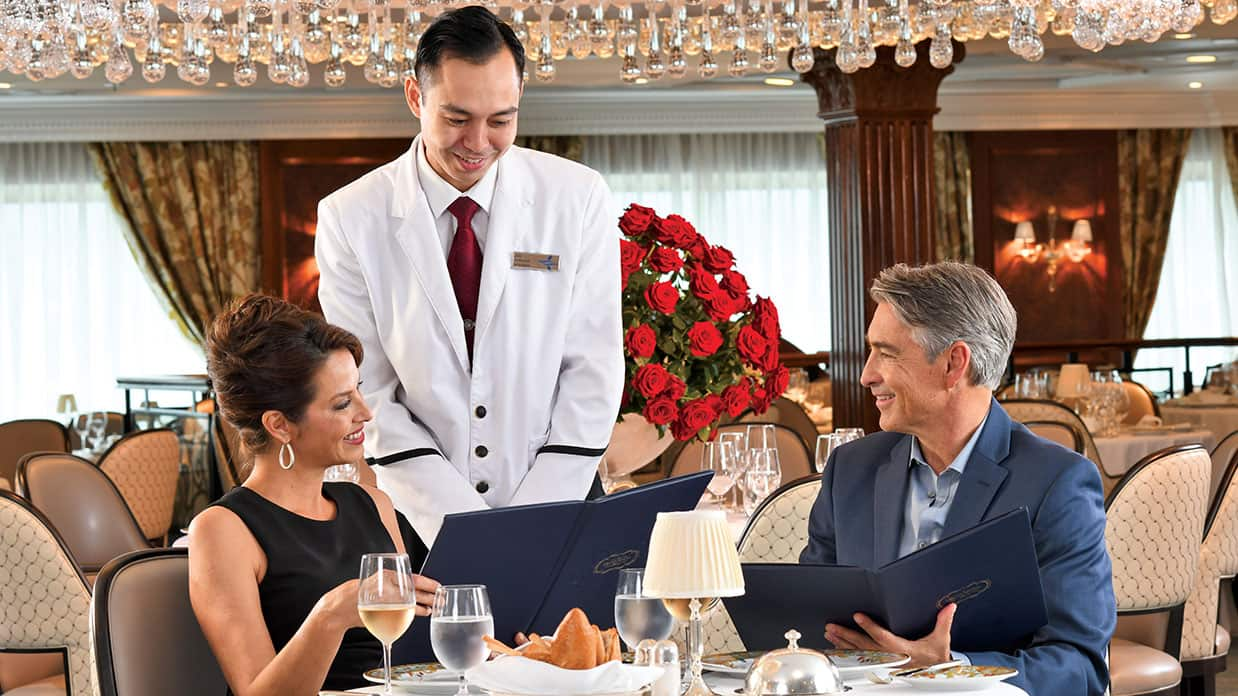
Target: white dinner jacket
pixel 530 421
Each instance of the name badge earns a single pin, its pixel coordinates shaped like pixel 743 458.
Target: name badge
pixel 535 262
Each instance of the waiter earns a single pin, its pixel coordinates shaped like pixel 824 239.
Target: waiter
pixel 483 280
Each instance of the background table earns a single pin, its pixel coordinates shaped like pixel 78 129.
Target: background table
pixel 1219 420
pixel 1118 454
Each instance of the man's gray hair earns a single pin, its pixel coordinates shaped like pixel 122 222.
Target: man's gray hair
pixel 950 301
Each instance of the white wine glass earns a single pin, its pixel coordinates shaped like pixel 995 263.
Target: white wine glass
pixel 637 615
pixel 386 601
pixel 459 621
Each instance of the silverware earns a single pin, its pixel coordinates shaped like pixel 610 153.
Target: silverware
pixel 889 678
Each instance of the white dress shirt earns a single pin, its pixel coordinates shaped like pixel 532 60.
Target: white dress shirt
pixel 440 195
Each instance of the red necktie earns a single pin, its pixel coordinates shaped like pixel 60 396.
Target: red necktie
pixel 464 265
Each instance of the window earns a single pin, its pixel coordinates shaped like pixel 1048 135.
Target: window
pixel 75 308
pixel 761 195
pixel 1198 293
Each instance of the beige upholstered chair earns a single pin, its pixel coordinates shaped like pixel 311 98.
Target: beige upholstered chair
pixel 1143 403
pixel 793 455
pixel 1154 521
pixel 1205 643
pixel 776 533
pixel 1042 411
pixel 145 466
pixel 1060 433
pixel 228 454
pixel 139 657
pixel 21 437
pixel 45 603
pixel 1224 453
pixel 83 506
pixel 784 411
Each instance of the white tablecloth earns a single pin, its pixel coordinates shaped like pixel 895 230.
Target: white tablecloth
pixel 1219 420
pixel 1119 454
pixel 727 684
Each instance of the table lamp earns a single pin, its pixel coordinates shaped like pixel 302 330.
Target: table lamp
pixel 1073 381
pixel 692 559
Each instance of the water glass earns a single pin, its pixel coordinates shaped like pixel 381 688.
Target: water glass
pixel 713 458
pixel 97 426
pixel 762 477
pixel 849 434
pixel 637 615
pixel 459 620
pixel 81 425
pixel 826 444
pixel 386 601
pixel 762 436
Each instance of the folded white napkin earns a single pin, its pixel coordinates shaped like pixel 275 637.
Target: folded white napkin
pixel 524 677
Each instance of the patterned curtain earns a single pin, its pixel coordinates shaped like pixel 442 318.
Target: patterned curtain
pixel 1149 166
pixel 1229 136
pixel 566 146
pixel 194 220
pixel 952 183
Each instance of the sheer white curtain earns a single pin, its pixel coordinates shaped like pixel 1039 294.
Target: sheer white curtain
pixel 75 309
pixel 1198 294
pixel 761 195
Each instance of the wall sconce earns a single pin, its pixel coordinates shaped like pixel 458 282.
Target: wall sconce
pixel 1075 250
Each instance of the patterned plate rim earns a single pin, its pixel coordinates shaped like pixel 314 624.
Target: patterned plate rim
pixel 720 662
pixel 413 673
pixel 1000 672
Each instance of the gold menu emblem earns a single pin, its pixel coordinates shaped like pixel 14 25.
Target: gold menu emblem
pixel 616 561
pixel 965 593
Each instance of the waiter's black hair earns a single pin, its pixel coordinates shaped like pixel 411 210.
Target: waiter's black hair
pixel 469 33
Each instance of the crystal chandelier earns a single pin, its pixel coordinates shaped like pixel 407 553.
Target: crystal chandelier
pixel 43 39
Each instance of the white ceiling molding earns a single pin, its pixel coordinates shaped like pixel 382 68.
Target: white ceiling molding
pixel 283 115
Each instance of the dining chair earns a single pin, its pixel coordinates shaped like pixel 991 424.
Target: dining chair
pixel 785 412
pixel 228 454
pixel 1043 410
pixel 1222 455
pixel 1205 642
pixel 135 656
pixel 1058 432
pixel 83 506
pixel 794 457
pixel 45 604
pixel 1154 520
pixel 145 465
pixel 776 533
pixel 1142 402
pixel 21 437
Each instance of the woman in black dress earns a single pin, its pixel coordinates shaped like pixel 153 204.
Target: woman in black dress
pixel 273 564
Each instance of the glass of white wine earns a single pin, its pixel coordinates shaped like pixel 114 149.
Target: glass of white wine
pixel 386 601
pixel 459 620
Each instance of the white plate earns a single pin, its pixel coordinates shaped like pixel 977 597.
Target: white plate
pixel 849 662
pixel 960 678
pixel 418 673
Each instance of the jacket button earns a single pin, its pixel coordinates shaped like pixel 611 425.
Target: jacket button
pixel 480 411
pixel 481 451
pixel 482 486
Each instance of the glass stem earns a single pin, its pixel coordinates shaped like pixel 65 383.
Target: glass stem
pixel 387 668
pixel 464 687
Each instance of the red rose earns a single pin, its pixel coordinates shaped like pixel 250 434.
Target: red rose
pixel 772 360
pixel 640 341
pixel 675 231
pixel 735 399
pixel 697 414
pixel 718 259
pixel 776 380
pixel 662 297
pixel 702 283
pixel 760 400
pixel 704 339
pixel 697 247
pixel 723 306
pixel 681 431
pixel 740 301
pixel 765 318
pixel 714 402
pixel 660 411
pixel 675 388
pixel 650 380
pixel 630 256
pixel 665 259
pixel 752 346
pixel 735 283
pixel 637 220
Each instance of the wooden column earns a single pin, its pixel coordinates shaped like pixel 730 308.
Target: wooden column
pixel 879 161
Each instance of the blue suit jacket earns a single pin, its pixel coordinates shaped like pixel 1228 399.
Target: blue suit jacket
pixel 858 518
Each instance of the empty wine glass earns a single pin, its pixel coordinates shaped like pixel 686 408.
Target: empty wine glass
pixel 713 455
pixel 637 615
pixel 342 472
pixel 98 425
pixel 849 434
pixel 761 478
pixel 459 620
pixel 826 444
pixel 762 436
pixel 81 425
pixel 386 601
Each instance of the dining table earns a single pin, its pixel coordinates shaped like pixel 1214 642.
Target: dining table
pixel 1219 419
pixel 1118 453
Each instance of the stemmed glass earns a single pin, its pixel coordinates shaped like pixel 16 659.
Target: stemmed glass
pixel 762 477
pixel 826 444
pixel 81 425
pixel 713 458
pixel 637 615
pixel 849 434
pixel 762 436
pixel 386 601
pixel 97 426
pixel 734 459
pixel 342 472
pixel 459 620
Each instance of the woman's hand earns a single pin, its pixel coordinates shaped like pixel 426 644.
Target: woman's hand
pixel 425 588
pixel 337 609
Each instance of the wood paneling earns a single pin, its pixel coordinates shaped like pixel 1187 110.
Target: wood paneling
pixel 1051 178
pixel 296 174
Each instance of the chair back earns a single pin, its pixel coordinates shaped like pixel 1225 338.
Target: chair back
pixel 45 605
pixel 1044 411
pixel 1218 559
pixel 1222 455
pixel 83 506
pixel 1142 402
pixel 786 412
pixel 139 657
pixel 228 454
pixel 115 426
pixel 793 455
pixel 1060 433
pixel 1154 519
pixel 145 466
pixel 21 437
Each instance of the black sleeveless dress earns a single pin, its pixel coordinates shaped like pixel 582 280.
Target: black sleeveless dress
pixel 307 558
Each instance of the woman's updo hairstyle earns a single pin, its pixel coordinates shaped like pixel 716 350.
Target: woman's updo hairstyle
pixel 262 354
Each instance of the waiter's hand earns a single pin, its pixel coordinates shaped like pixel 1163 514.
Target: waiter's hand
pixel 929 650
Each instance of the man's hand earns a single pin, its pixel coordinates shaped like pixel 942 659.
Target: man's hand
pixel 929 650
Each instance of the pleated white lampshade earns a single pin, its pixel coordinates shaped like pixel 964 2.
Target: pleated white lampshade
pixel 691 554
pixel 1073 380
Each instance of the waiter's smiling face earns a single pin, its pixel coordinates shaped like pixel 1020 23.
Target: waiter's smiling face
pixel 468 115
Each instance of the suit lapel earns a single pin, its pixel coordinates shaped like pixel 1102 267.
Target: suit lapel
pixel 889 498
pixel 510 214
pixel 418 236
pixel 983 475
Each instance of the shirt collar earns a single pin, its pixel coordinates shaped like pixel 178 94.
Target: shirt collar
pixel 440 194
pixel 960 462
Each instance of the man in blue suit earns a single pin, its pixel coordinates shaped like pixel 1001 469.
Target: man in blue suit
pixel 950 458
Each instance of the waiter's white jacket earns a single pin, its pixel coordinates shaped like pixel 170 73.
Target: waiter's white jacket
pixel 530 421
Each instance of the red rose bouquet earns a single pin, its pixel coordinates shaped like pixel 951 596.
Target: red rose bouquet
pixel 696 345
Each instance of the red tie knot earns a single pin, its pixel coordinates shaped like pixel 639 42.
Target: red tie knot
pixel 464 208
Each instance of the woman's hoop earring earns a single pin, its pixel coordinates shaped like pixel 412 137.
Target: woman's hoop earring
pixel 292 456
